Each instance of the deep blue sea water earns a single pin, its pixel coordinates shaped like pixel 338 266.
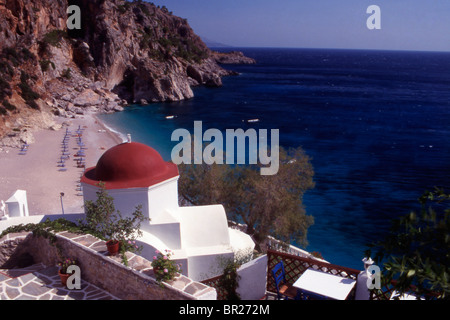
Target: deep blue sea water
pixel 376 124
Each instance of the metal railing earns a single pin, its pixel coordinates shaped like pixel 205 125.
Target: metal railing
pixel 215 283
pixel 294 267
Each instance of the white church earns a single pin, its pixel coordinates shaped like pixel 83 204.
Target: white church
pixel 199 237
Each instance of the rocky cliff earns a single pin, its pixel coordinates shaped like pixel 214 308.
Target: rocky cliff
pixel 124 52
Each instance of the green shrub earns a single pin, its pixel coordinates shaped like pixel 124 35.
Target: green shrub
pixel 67 73
pixel 164 42
pixel 5 88
pixel 124 7
pixel 11 55
pixel 147 35
pixel 27 93
pixel 164 268
pixel 6 70
pixel 9 106
pixel 33 105
pixel 121 8
pixel 45 65
pixel 54 37
pixel 144 9
pixel 26 54
pixel 17 56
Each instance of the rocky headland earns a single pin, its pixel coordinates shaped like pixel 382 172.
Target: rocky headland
pixel 233 57
pixel 124 53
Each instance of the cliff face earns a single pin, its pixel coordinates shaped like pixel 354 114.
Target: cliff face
pixel 125 52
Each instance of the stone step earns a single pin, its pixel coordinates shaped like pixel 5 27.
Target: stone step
pixel 40 282
pixel 18 272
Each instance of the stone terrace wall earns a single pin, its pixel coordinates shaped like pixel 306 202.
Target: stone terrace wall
pixel 135 282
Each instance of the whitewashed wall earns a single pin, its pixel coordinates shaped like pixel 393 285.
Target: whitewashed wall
pixel 253 279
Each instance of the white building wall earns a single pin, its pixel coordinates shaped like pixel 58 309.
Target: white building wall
pixel 168 233
pixel 154 200
pixel 203 225
pixel 17 204
pixel 162 197
pixel 207 265
pixel 125 200
pixel 253 279
pixel 362 290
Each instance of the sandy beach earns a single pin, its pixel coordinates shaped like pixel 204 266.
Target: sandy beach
pixel 38 170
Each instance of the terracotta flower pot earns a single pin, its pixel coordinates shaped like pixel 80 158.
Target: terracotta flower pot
pixel 113 247
pixel 63 277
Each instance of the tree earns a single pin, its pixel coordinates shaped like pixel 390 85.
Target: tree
pixel 267 205
pixel 417 249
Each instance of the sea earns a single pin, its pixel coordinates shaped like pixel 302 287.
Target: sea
pixel 376 125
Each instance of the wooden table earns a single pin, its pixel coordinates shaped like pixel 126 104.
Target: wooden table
pixel 324 285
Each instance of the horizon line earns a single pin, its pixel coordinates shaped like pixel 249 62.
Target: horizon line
pixel 324 48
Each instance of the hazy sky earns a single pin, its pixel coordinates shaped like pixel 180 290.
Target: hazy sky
pixel 405 24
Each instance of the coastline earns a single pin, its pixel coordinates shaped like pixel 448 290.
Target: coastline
pixel 118 137
pixel 36 170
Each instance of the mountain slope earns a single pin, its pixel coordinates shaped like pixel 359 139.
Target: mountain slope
pixel 125 52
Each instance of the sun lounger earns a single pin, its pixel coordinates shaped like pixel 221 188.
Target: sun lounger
pixel 24 148
pixel 23 151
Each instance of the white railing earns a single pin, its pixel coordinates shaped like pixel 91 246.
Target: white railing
pixel 278 245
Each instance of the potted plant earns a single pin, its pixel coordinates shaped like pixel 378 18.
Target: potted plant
pixel 113 246
pixel 122 232
pixel 63 265
pixel 164 268
pixel 104 221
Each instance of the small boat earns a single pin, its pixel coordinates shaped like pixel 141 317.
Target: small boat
pixel 253 120
pixel 170 117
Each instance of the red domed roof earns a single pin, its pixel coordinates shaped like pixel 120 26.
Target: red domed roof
pixel 130 165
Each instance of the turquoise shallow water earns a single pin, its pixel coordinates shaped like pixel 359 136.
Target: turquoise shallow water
pixel 375 123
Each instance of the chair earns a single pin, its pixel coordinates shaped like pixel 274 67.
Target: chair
pixel 284 290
